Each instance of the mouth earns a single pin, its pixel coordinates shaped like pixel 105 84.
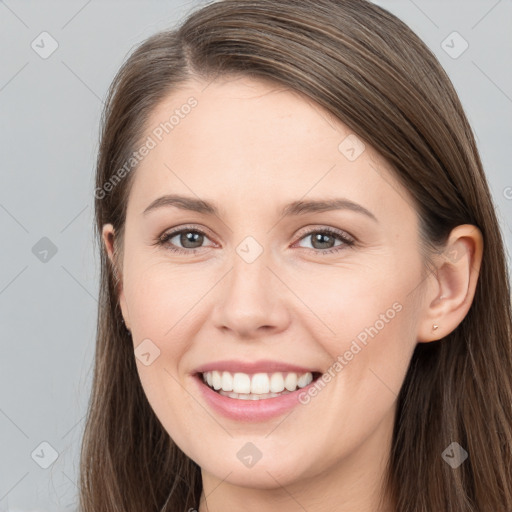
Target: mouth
pixel 256 386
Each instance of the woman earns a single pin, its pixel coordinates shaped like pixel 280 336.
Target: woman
pixel 305 300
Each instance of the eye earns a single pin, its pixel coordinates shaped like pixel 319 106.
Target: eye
pixel 323 240
pixel 191 240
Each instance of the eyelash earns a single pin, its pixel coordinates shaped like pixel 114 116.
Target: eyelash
pixel 347 241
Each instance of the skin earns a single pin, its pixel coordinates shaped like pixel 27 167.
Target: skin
pixel 251 147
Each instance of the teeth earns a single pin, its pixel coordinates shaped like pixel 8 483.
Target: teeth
pixel 260 384
pixel 290 382
pixel 245 386
pixel 241 383
pixel 304 380
pixel 230 394
pixel 276 383
pixel 216 380
pixel 227 381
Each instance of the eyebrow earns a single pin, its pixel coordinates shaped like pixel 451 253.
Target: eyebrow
pixel 293 209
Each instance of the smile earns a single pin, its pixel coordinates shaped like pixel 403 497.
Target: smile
pixel 257 386
pixel 252 392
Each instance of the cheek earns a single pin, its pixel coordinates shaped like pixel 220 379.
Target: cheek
pixel 364 320
pixel 344 302
pixel 169 305
pixel 162 299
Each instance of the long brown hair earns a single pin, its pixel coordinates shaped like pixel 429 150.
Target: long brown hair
pixel 369 70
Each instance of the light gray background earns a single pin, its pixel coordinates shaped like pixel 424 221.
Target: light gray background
pixel 50 111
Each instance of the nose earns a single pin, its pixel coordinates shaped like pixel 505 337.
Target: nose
pixel 252 301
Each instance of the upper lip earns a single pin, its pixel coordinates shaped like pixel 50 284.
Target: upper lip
pixel 261 366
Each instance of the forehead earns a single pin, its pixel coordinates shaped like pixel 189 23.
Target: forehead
pixel 257 140
pixel 248 110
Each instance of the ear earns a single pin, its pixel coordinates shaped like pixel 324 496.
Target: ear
pixel 108 236
pixel 451 288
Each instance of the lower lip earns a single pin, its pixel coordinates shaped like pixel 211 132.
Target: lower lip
pixel 250 410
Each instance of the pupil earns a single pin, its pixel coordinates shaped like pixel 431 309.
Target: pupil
pixel 190 236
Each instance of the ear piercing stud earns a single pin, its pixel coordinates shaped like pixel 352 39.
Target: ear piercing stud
pixel 435 326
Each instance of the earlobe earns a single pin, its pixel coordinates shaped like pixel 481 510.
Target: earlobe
pixel 458 268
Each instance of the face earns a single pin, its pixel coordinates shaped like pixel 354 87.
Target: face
pixel 252 285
